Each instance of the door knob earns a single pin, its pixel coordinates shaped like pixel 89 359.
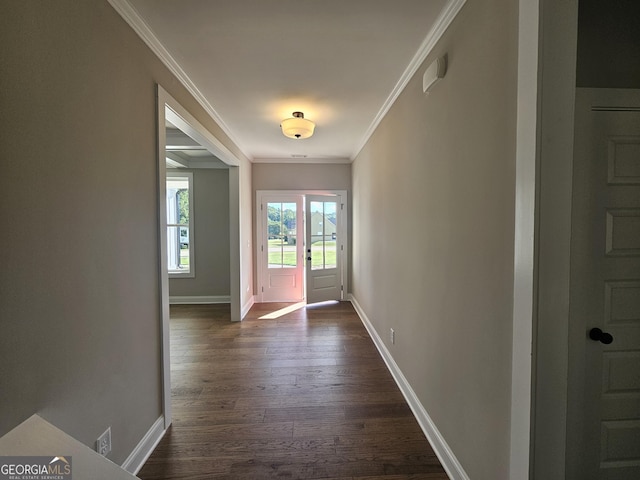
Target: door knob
pixel 309 258
pixel 599 336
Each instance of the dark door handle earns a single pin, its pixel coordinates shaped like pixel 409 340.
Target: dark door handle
pixel 599 336
pixel 309 258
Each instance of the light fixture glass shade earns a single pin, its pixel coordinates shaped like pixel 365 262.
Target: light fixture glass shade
pixel 297 127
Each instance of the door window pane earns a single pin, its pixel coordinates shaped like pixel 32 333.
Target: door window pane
pixel 281 235
pixel 323 235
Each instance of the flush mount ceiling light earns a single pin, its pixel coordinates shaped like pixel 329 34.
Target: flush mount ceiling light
pixel 297 127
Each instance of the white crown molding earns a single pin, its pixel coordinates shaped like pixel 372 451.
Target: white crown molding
pixel 131 16
pixel 135 21
pixel 325 160
pixel 440 26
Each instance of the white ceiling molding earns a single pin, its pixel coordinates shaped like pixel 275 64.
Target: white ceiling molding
pixel 178 140
pixel 131 16
pixel 175 161
pixel 298 159
pixel 447 16
pixel 188 124
pixel 450 10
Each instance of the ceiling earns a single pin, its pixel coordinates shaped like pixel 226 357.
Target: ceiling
pixel 184 152
pixel 252 63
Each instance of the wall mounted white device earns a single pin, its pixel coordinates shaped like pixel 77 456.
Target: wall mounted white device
pixel 434 72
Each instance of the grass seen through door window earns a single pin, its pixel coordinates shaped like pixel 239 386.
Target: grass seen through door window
pixel 285 255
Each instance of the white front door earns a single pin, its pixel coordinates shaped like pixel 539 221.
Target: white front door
pixel 282 260
pixel 604 376
pixel 324 247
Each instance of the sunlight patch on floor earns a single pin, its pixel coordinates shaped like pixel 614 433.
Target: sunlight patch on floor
pixel 284 311
pixel 323 304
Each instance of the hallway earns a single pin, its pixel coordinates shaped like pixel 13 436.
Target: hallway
pixel 298 395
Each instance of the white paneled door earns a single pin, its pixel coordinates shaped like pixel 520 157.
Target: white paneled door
pixel 604 413
pixel 323 248
pixel 282 248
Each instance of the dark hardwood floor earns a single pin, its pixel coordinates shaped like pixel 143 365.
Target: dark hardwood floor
pixel 305 395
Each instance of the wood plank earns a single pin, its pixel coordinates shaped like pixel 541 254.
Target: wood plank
pixel 302 396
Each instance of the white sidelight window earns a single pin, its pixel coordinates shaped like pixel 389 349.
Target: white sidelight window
pixel 180 247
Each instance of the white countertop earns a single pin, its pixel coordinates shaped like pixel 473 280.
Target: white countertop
pixel 37 437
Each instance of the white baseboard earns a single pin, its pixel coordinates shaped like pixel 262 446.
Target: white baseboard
pixel 247 306
pixel 199 300
pixel 444 453
pixel 145 448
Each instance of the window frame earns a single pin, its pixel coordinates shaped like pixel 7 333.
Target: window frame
pixel 191 272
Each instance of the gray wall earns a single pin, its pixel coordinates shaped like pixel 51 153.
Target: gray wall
pixel 79 306
pixel 211 231
pixel 440 169
pixel 608 39
pixel 301 176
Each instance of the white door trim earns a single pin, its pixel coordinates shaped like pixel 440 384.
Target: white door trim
pixel 343 227
pixel 555 105
pixel 524 244
pixel 170 109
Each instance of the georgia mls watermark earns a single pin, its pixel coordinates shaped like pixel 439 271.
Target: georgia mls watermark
pixel 35 468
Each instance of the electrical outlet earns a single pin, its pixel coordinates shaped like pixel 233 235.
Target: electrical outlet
pixel 392 336
pixel 103 443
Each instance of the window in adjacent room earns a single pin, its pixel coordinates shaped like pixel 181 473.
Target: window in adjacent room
pixel 180 224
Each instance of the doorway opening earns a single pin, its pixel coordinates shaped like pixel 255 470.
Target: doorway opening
pixel 301 246
pixel 174 119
